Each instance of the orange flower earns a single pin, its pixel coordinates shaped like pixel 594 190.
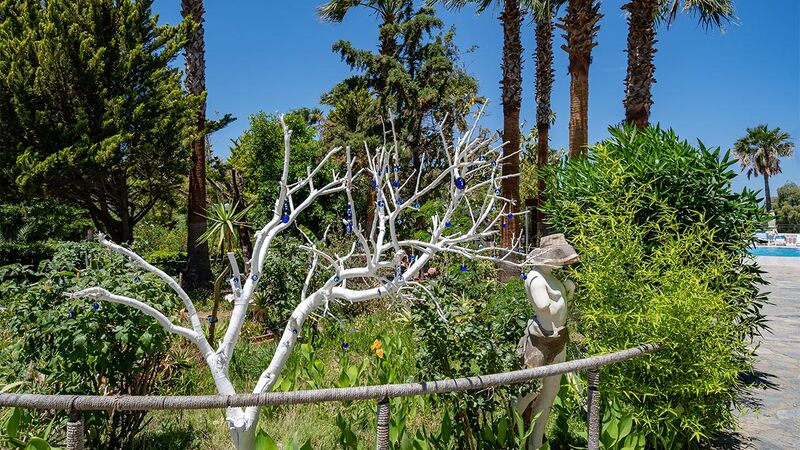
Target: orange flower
pixel 376 345
pixel 379 352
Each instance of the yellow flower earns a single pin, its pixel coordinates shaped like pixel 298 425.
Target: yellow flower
pixel 47 287
pixel 376 345
pixel 379 352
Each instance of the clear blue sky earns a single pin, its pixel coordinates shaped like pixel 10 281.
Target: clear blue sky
pixel 711 85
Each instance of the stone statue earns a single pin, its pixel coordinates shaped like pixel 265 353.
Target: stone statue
pixel 546 335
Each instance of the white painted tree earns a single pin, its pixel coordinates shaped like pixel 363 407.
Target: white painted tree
pixel 378 258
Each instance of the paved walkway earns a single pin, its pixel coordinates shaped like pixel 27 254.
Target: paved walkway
pixel 776 425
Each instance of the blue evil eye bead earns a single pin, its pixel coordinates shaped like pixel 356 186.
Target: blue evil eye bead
pixel 337 278
pixel 379 291
pixel 510 215
pixel 285 218
pixel 417 205
pixel 463 267
pixel 505 225
pixel 399 221
pixel 349 227
pixel 480 245
pixel 72 314
pixel 294 331
pixel 254 277
pixel 95 306
pixel 381 203
pixel 497 191
pixel 460 183
pixel 236 281
pixel 471 167
pixel 447 224
pixel 494 163
pixel 345 345
pixel 494 207
pixel 412 258
pixel 310 265
pixel 396 168
pixel 481 158
pixel 349 206
pixel 395 183
pixel 523 275
pixel 399 201
pixel 136 279
pixel 373 183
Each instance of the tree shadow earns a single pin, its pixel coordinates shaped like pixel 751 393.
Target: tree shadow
pixel 167 439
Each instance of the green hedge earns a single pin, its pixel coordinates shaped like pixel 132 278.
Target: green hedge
pixel 26 254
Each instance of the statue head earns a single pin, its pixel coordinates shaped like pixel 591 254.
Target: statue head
pixel 553 251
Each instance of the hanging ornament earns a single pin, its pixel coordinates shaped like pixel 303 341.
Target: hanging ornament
pixel 345 345
pixel 285 216
pixel 447 224
pixel 396 168
pixel 399 201
pixel 412 258
pixel 349 227
pixel 136 279
pixel 254 277
pixel 95 306
pixel 395 183
pixel 523 275
pixel 373 183
pixel 496 191
pixel 460 183
pixel 399 221
pixel 417 205
pixel 336 279
pixel 494 163
pixel 510 215
pixel 381 203
pixel 398 272
pixel 463 267
pixel 481 158
pixel 72 314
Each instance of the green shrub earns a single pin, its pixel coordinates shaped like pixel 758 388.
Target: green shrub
pixel 172 262
pixel 279 290
pixel 77 346
pixel 787 208
pixel 26 254
pixel 663 242
pixel 474 330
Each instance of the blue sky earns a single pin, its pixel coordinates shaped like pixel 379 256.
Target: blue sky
pixel 711 85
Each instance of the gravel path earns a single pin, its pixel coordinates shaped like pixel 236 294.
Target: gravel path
pixel 776 423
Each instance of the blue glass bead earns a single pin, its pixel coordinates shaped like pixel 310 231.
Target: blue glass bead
pixel 481 158
pixel 463 267
pixel 447 224
pixel 396 183
pixel 349 206
pixel 336 278
pixel 497 191
pixel 95 306
pixel 381 203
pixel 373 183
pixel 294 331
pixel 254 277
pixel 417 205
pixel 494 163
pixel 397 168
pixel 510 215
pixel 349 227
pixel 399 221
pixel 460 183
pixel 399 201
pixel 523 275
pixel 72 314
pixel 505 225
pixel 345 345
pixel 472 167
pixel 285 218
pixel 136 279
pixel 413 258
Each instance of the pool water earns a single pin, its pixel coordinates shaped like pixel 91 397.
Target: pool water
pixel 776 251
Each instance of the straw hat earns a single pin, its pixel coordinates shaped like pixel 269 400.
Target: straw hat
pixel 553 251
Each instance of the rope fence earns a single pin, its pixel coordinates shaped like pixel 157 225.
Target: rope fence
pixel 74 404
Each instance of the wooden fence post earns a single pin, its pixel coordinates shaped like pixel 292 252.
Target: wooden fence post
pixel 593 406
pixel 383 424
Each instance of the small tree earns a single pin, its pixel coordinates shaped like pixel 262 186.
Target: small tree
pixel 379 265
pixel 787 208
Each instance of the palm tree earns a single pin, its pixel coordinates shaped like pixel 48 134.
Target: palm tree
pixel 511 85
pixel 198 267
pixel 643 18
pixel 543 12
pixel 760 151
pixel 581 27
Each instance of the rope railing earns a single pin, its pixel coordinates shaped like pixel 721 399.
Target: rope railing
pixel 74 404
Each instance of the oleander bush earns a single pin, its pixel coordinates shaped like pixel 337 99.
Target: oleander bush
pixel 663 241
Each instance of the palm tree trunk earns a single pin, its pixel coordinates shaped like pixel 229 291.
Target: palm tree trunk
pixel 511 84
pixel 767 196
pixel 198 268
pixel 581 27
pixel 641 49
pixel 544 87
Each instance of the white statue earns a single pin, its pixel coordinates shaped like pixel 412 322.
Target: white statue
pixel 546 335
pixel 379 265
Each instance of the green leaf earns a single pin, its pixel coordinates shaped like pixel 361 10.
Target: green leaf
pixel 12 425
pixel 265 442
pixel 36 443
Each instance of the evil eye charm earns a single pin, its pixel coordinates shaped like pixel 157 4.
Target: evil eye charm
pixel 497 191
pixel 463 267
pixel 447 224
pixel 349 227
pixel 523 275
pixel 136 279
pixel 373 183
pixel 460 183
pixel 399 221
pixel 510 215
pixel 395 183
pixel 494 164
pixel 285 218
pixel 95 306
pixel 381 203
pixel 337 279
pixel 417 205
pixel 345 345
pixel 399 201
pixel 396 168
pixel 254 277
pixel 481 158
pixel 72 314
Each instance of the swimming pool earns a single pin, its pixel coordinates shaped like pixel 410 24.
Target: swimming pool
pixel 776 251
